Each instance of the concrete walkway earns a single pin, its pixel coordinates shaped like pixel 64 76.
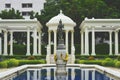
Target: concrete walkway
pixel 4 69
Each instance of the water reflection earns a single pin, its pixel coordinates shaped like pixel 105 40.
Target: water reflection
pixel 72 74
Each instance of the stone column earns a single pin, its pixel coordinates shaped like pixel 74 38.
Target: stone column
pixel 28 41
pixel 0 43
pixel 110 43
pixel 49 41
pixel 35 42
pixel 35 75
pixel 66 40
pixel 55 74
pixel 72 74
pixel 93 75
pixel 39 74
pixel 93 42
pixel 116 42
pixel 28 75
pixel 39 43
pixel 82 43
pixel 48 73
pixel 82 74
pixel 86 42
pixel 55 41
pixel 72 40
pixel 86 74
pixel 11 43
pixel 5 43
pixel 72 48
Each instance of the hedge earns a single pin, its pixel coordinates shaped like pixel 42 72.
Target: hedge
pixel 3 64
pixel 108 62
pixel 23 62
pixel 15 63
pixel 22 57
pixel 99 62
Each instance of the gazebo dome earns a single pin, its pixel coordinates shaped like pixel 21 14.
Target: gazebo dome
pixel 65 20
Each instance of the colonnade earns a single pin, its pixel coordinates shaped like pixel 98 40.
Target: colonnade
pixel 85 41
pixel 84 74
pixel 36 42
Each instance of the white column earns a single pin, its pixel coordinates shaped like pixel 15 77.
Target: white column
pixel 55 41
pixel 86 75
pixel 67 73
pixel 93 42
pixel 0 43
pixel 39 74
pixel 48 73
pixel 93 75
pixel 86 42
pixel 28 75
pixel 110 43
pixel 82 46
pixel 55 74
pixel 72 41
pixel 5 43
pixel 35 75
pixel 66 41
pixel 28 41
pixel 73 74
pixel 82 74
pixel 49 41
pixel 39 43
pixel 116 43
pixel 11 43
pixel 35 42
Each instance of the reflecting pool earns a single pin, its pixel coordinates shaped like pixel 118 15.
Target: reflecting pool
pixel 73 73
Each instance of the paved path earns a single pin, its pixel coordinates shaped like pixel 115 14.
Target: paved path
pixel 115 69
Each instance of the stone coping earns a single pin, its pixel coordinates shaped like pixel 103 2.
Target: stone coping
pixel 15 71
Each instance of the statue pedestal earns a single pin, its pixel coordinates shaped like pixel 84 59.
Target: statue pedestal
pixel 60 62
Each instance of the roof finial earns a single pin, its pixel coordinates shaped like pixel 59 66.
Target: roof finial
pixel 61 11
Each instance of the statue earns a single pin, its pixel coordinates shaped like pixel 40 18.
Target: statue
pixel 61 56
pixel 60 31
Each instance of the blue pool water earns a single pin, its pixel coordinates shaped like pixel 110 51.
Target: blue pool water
pixel 72 74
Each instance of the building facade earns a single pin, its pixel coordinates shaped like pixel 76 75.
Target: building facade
pixel 24 6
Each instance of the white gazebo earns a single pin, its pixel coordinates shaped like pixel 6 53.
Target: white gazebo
pixel 52 25
pixel 21 25
pixel 99 25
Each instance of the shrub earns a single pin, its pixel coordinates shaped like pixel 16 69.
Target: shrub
pixel 31 58
pixel 118 58
pixel 99 62
pixel 91 58
pixel 13 63
pixel 109 62
pixel 83 58
pixel 108 59
pixel 3 64
pixel 117 64
pixel 23 62
pixel 81 61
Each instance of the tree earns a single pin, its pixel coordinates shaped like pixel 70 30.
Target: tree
pixel 78 10
pixel 10 14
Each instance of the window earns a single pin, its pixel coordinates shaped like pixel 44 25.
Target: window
pixel 26 13
pixel 27 5
pixel 7 5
